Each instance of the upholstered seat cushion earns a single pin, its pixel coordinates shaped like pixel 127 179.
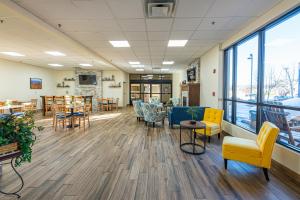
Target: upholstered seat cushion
pixel 63 116
pixel 211 128
pixel 241 149
pixel 78 114
pixel 241 146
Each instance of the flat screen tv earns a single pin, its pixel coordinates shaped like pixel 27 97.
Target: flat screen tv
pixel 87 80
pixel 191 74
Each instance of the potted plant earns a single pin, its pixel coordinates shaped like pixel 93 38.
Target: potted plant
pixel 193 111
pixel 16 133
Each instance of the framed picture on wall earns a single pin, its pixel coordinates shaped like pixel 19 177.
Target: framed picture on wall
pixel 35 83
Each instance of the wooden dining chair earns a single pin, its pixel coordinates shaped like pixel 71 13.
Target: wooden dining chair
pixel 61 116
pixel 68 100
pixel 115 104
pixel 105 104
pixel 59 100
pixel 34 104
pixel 83 113
pixel 78 100
pixel 27 107
pixel 110 102
pixel 48 104
pixel 2 109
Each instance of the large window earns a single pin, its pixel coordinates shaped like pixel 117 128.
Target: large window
pixel 145 86
pixel 262 80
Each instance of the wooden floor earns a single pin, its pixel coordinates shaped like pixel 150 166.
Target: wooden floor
pixel 120 158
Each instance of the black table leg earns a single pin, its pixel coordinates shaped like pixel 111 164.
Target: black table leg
pixel 180 137
pixel 193 130
pixel 22 182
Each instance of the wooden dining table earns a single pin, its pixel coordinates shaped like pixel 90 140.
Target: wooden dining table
pixel 71 107
pixel 10 108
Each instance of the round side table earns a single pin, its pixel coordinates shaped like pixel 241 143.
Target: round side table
pixel 197 148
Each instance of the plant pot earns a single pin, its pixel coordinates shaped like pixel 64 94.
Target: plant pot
pixel 193 122
pixel 8 148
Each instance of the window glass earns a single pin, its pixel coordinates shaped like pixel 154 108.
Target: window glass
pixel 288 121
pixel 282 63
pixel 228 110
pixel 246 116
pixel 280 85
pixel 247 66
pixel 135 88
pixel 166 88
pixel 229 63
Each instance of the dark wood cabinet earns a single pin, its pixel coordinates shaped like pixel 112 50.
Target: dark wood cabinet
pixel 190 94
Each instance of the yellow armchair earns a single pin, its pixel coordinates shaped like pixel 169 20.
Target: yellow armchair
pixel 258 153
pixel 213 121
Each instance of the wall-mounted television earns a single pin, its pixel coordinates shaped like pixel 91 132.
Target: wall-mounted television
pixel 87 80
pixel 191 74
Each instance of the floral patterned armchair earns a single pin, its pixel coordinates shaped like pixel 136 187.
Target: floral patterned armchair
pixel 137 106
pixel 152 113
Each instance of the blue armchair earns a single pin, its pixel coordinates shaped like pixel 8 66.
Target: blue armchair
pixel 152 113
pixel 137 106
pixel 179 113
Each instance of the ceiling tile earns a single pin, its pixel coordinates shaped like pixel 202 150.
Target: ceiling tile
pixel 180 35
pixel 125 9
pixel 186 24
pixel 134 35
pixel 133 24
pixel 211 35
pixel 158 35
pixel 158 43
pixel 159 24
pixel 193 8
pixel 215 23
pixel 87 25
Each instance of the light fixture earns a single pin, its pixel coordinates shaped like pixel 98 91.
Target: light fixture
pixel 55 65
pixel 134 62
pixel 120 43
pixel 55 53
pixel 168 62
pixel 85 65
pixel 177 43
pixel 164 69
pixel 138 66
pixel 12 53
pixel 139 70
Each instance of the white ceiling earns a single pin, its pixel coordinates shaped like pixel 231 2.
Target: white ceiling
pixel 94 22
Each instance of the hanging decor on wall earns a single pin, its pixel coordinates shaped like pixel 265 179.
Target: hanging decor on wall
pixel 195 67
pixel 35 83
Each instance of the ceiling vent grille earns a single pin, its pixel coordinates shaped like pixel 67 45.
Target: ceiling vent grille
pixel 160 8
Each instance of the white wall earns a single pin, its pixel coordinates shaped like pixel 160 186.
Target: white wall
pixel 108 92
pixel 15 81
pixel 210 82
pixel 59 78
pixel 178 77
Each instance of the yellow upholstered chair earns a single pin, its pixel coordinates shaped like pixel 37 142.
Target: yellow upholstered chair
pixel 257 152
pixel 213 121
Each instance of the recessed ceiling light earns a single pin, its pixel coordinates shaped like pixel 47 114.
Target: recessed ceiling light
pixel 120 43
pixel 134 62
pixel 139 70
pixel 85 65
pixel 164 69
pixel 55 65
pixel 55 53
pixel 168 62
pixel 138 66
pixel 177 43
pixel 12 53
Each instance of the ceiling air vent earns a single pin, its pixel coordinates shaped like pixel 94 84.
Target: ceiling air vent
pixel 160 8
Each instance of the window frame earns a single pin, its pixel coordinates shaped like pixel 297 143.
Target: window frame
pixel 260 76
